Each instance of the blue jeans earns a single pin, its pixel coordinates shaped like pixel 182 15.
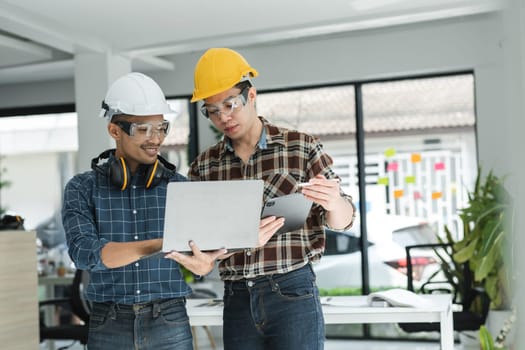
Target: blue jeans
pixel 278 312
pixel 156 325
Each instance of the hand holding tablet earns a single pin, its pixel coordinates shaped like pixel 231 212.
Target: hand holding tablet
pixel 293 207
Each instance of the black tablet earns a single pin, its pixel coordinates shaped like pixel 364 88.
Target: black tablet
pixel 293 207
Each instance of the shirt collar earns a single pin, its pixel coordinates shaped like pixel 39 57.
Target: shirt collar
pixel 262 143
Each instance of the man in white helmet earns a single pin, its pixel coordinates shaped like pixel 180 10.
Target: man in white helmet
pixel 270 297
pixel 113 216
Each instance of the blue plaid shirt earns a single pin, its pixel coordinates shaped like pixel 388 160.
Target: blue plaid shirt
pixel 96 212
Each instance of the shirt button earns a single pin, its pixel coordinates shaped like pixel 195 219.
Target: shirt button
pixel 134 187
pixel 135 211
pixel 137 264
pixel 249 252
pixel 138 291
pixel 136 237
pixel 250 283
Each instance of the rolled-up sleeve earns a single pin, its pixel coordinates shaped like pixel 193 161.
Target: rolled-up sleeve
pixel 78 216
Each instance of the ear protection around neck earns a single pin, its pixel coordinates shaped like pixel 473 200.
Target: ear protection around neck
pixel 119 173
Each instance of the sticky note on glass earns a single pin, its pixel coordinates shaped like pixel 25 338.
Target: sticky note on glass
pixel 398 194
pixel 392 166
pixel 439 166
pixel 437 195
pixel 410 179
pixel 415 158
pixel 390 152
pixel 417 195
pixel 382 181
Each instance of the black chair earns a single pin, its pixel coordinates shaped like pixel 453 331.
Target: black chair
pixel 464 292
pixel 78 306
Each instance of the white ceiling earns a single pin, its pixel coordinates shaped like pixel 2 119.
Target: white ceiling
pixel 38 39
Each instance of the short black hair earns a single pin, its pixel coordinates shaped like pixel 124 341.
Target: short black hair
pixel 119 117
pixel 243 85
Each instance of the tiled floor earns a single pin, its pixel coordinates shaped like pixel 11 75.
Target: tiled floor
pixel 335 345
pixel 329 345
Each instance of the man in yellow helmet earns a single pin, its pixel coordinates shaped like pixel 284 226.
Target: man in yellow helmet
pixel 270 297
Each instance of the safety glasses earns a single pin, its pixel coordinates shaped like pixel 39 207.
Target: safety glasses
pixel 144 130
pixel 227 107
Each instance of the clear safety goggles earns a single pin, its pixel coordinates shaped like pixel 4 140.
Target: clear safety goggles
pixel 227 107
pixel 144 130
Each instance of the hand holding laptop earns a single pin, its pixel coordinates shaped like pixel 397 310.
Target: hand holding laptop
pixel 201 263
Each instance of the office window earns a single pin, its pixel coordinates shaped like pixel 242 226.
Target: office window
pixel 419 154
pixel 37 153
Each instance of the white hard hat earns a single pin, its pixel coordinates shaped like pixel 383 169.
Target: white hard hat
pixel 134 94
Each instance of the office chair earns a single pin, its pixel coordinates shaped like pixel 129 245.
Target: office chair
pixel 463 293
pixel 79 307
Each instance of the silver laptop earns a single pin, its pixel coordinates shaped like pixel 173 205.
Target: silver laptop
pixel 214 214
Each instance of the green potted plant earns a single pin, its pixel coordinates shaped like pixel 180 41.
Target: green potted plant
pixel 474 265
pixel 487 221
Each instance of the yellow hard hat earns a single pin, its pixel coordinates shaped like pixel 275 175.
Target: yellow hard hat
pixel 218 70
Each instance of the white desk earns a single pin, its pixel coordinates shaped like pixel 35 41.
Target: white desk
pixel 51 281
pixel 350 309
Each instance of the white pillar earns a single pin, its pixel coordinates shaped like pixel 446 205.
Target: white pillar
pixel 513 106
pixel 94 73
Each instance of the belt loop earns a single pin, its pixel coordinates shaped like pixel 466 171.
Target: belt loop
pixel 230 288
pixel 273 284
pixel 156 309
pixel 112 312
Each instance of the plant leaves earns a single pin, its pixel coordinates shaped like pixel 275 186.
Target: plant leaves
pixel 485 339
pixel 466 253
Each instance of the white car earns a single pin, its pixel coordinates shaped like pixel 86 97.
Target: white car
pixel 387 236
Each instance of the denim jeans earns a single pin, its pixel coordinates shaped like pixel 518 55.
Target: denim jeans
pixel 278 312
pixel 158 325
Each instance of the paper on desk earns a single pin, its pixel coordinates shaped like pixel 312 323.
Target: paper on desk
pixel 345 302
pixel 399 297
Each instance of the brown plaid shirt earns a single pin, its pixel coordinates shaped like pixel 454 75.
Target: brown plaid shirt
pixel 282 159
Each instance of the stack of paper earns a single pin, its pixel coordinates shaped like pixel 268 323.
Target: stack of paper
pixel 399 297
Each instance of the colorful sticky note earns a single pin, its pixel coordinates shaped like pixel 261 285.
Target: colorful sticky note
pixel 437 195
pixel 417 195
pixel 398 194
pixel 410 179
pixel 390 152
pixel 415 158
pixel 382 181
pixel 392 166
pixel 439 166
pixel 453 187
